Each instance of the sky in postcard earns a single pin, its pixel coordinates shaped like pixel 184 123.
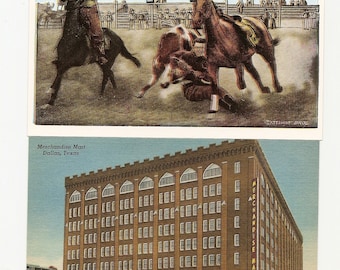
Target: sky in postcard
pixel 294 164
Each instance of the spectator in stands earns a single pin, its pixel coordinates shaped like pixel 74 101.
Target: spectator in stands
pixel 306 20
pixel 240 6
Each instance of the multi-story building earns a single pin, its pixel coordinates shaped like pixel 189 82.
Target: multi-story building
pixel 218 207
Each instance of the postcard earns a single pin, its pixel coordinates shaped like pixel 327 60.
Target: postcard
pixel 156 64
pixel 123 203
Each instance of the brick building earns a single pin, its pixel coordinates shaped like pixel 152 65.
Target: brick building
pixel 218 207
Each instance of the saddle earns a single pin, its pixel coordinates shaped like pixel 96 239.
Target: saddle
pixel 248 29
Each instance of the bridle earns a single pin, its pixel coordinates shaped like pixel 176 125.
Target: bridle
pixel 203 13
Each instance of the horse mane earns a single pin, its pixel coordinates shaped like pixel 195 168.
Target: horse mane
pixel 232 20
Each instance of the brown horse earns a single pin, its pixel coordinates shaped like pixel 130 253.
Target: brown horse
pixel 227 45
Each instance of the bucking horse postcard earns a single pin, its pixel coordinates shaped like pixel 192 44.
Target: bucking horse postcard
pixel 197 63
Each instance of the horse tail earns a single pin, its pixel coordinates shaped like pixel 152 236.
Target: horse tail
pixel 118 43
pixel 124 52
pixel 276 41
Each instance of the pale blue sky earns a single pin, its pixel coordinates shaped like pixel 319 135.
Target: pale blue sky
pixel 294 164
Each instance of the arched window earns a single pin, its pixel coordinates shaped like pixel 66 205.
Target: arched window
pixel 146 183
pixel 189 175
pixel 109 190
pixel 75 197
pixel 167 179
pixel 213 170
pixel 127 187
pixel 91 194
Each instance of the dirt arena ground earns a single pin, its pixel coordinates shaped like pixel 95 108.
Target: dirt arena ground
pixel 78 104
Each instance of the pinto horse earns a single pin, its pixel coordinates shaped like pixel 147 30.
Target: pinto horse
pixel 227 45
pixel 74 50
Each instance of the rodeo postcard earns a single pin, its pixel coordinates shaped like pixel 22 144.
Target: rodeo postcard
pixel 167 64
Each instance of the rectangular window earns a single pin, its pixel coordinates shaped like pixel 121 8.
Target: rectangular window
pixel 172 245
pixel 218 207
pixel 212 207
pixel 126 203
pixel 160 214
pixel 146 200
pixel 145 232
pixel 205 260
pixel 146 216
pixel 194 192
pixel 108 207
pixel 181 244
pixel 205 191
pixel 194 243
pixel 165 263
pixel 188 211
pixel 172 213
pixel 172 262
pixel 166 197
pixel 151 199
pixel 218 241
pixel 181 228
pixel 187 261
pixel 212 190
pixel 181 211
pixel 194 210
pixel 237 204
pixel 211 259
pixel 166 231
pixel 212 242
pixel 194 226
pixel 172 196
pixel 211 225
pixel 188 227
pixel 236 240
pixel 182 195
pixel 172 229
pixel 160 198
pixel 218 188
pixel 237 185
pixel 140 201
pixel 205 208
pixel 194 261
pixel 205 242
pixel 166 213
pixel 236 258
pixel 166 246
pixel 188 194
pixel 205 225
pixel 236 222
pixel 181 261
pixel 237 167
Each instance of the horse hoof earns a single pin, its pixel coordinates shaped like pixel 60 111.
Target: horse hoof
pixel 266 90
pixel 165 85
pixel 140 95
pixel 45 106
pixel 279 89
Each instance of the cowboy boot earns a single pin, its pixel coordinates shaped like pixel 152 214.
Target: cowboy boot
pixel 100 51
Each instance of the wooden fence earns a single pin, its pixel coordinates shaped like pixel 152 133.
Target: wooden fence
pixel 140 16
